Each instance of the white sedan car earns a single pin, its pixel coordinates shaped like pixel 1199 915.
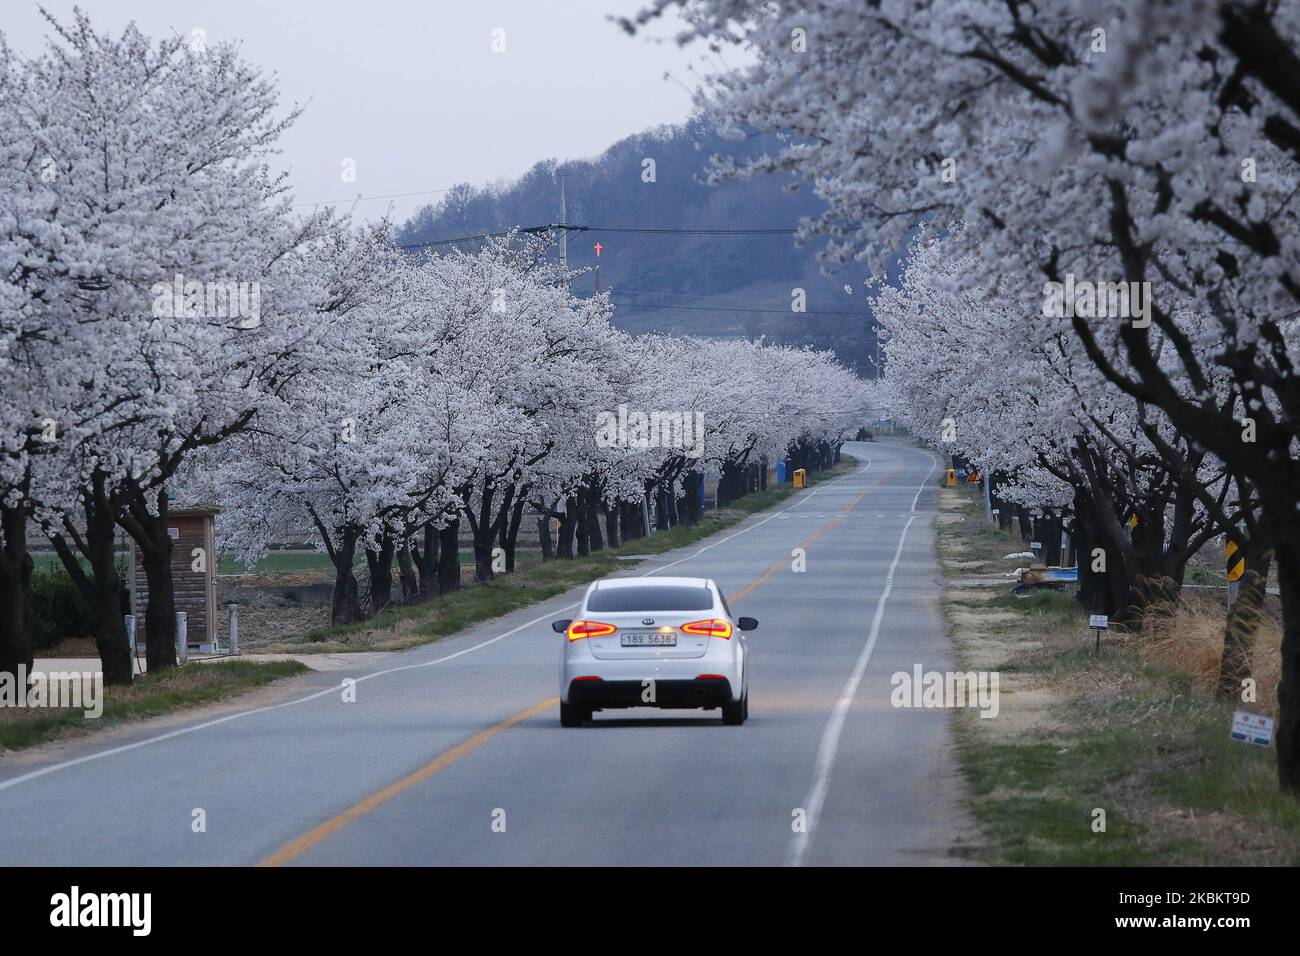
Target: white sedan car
pixel 653 642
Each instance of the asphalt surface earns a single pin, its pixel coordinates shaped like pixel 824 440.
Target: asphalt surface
pixel 452 753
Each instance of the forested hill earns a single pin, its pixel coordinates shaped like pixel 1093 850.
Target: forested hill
pixel 728 284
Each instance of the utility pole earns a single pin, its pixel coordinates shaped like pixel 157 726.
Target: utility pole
pixel 564 230
pixel 875 345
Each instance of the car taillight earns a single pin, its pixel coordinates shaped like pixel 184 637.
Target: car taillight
pixel 580 629
pixel 713 628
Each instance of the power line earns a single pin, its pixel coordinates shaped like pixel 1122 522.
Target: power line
pixel 489 235
pixel 419 192
pixel 759 231
pixel 729 308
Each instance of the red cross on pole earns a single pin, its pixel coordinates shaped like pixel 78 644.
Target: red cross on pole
pixel 598 248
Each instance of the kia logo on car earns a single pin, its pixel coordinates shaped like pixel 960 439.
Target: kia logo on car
pixel 647 620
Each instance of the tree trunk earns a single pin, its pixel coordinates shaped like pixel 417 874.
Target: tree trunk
pixel 1047 532
pixel 425 559
pixel 629 532
pixel 406 575
pixel 101 587
pixel 1110 593
pixel 694 498
pixel 1288 688
pixel 1243 620
pixel 1026 527
pixel 482 532
pixel 611 525
pixel 482 559
pixel 595 539
pixel 149 531
pixel 565 532
pixel 1088 594
pixel 727 484
pixel 449 557
pixel 16 621
pixel 662 522
pixel 512 532
pixel 544 537
pixel 160 607
pixel 582 523
pixel 380 563
pixel 346 606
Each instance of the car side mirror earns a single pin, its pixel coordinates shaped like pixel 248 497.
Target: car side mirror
pixel 747 623
pixel 559 627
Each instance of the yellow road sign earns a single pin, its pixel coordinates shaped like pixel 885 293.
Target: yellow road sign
pixel 1236 560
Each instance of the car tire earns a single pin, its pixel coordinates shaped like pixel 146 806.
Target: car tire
pixel 571 715
pixel 734 714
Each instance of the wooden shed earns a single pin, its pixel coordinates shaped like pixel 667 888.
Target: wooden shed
pixel 195 592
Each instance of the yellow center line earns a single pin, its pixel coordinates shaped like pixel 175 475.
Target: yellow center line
pixel 314 836
pixel 292 850
pixel 806 544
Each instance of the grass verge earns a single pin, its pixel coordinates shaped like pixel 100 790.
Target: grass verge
pixel 1131 731
pixel 406 627
pixel 150 696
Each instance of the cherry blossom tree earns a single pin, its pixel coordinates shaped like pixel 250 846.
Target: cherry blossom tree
pixel 1149 144
pixel 153 226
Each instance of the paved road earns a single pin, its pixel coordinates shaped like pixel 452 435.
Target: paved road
pixel 453 753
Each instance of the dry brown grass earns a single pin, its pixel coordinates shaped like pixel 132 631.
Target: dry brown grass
pixel 1135 728
pixel 1186 636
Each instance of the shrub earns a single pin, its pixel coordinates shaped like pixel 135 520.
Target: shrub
pixel 58 608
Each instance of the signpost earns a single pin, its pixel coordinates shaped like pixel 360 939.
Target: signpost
pixel 1235 564
pixel 1099 623
pixel 1252 729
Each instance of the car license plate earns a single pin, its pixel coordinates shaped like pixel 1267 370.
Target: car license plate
pixel 648 638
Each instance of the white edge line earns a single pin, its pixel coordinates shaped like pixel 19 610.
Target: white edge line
pixel 182 731
pixel 32 775
pixel 830 741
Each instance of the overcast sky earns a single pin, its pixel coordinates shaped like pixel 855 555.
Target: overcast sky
pixel 411 89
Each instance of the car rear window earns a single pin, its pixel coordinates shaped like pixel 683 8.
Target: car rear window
pixel 666 598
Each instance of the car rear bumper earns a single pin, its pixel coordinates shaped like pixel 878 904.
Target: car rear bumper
pixel 703 692
pixel 722 659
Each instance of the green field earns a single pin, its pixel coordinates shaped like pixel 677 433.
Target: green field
pixel 276 562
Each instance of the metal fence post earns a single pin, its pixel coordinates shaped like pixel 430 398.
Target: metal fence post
pixel 234 628
pixel 130 639
pixel 182 637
